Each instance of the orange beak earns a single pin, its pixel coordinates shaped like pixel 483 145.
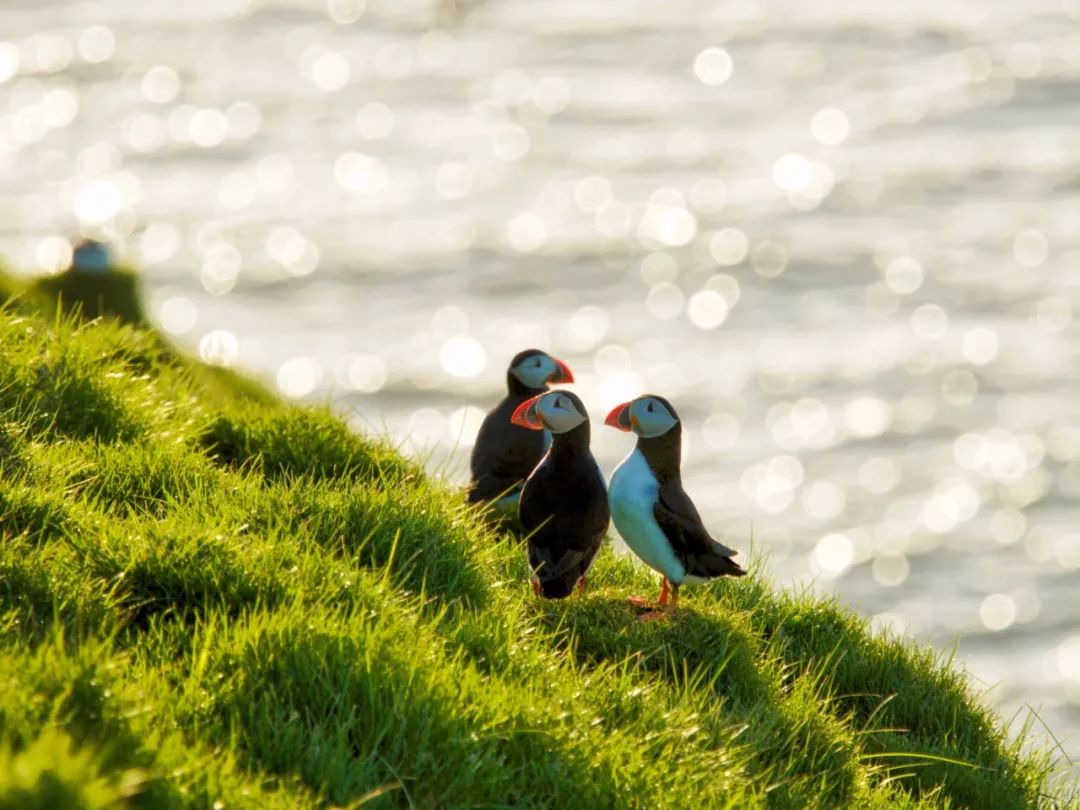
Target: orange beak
pixel 619 418
pixel 526 415
pixel 563 374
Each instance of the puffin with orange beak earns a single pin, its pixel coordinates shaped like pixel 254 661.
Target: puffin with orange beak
pixel 652 511
pixel 505 453
pixel 563 505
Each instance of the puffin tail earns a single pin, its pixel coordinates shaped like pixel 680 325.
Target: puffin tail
pixel 732 568
pixel 718 565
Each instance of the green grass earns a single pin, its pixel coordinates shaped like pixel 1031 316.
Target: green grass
pixel 207 596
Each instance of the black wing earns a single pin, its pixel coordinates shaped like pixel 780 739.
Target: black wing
pixel 562 546
pixel 503 455
pixel 680 522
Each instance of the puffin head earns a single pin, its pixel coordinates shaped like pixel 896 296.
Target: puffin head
pixel 557 411
pixel 648 416
pixel 534 369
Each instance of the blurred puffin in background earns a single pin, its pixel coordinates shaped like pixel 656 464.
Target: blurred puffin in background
pixel 505 453
pixel 563 504
pixel 91 257
pixel 652 511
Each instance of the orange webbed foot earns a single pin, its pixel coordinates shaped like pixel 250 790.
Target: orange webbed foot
pixel 647 604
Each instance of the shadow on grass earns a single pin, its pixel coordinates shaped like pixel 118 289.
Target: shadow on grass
pixel 27 511
pixel 147 481
pixel 169 570
pixel 803 752
pixel 65 397
pixel 40 588
pixel 921 707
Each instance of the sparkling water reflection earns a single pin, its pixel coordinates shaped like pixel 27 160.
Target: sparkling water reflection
pixel 841 237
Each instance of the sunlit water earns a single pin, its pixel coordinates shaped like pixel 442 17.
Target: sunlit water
pixel 843 238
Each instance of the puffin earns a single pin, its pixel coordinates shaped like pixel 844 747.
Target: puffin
pixel 652 511
pixel 563 504
pixel 505 453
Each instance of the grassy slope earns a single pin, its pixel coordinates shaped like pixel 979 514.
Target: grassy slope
pixel 208 596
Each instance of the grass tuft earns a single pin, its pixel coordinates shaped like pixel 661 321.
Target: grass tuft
pixel 283 442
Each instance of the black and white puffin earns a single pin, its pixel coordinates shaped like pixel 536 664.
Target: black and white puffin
pixel 563 504
pixel 505 453
pixel 651 509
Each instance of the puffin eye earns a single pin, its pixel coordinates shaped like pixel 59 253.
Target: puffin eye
pixel 649 408
pixel 558 402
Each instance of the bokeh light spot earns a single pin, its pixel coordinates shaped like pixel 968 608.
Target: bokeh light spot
pixel 830 126
pixel 592 193
pixel 161 84
pixel 463 357
pixel 53 254
pixel 834 554
pixel 713 66
pixel 510 142
pixel 453 180
pixel 178 315
pixel 360 173
pixel 904 275
pixel 219 347
pixel 9 61
pixel 98 202
pixel 586 328
pixel 659 268
pixel 363 373
pixel 299 376
pixel 344 12
pixel 890 570
pixel 208 128
pixel 793 173
pixel 375 121
pixel 665 302
pixel 1053 313
pixel 769 259
pixel 1030 248
pixel 729 246
pixel 707 309
pixel 330 72
pixel 159 242
pixel 96 44
pixel 464 425
pixel 980 345
pixel 929 322
pixel 526 232
pixel 867 417
pixel 997 611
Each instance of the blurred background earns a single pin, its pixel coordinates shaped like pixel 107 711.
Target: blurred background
pixel 842 237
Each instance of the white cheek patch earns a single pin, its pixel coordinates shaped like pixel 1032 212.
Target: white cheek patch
pixel 533 375
pixel 561 420
pixel 547 369
pixel 653 424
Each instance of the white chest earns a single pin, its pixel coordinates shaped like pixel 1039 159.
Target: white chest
pixel 632 493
